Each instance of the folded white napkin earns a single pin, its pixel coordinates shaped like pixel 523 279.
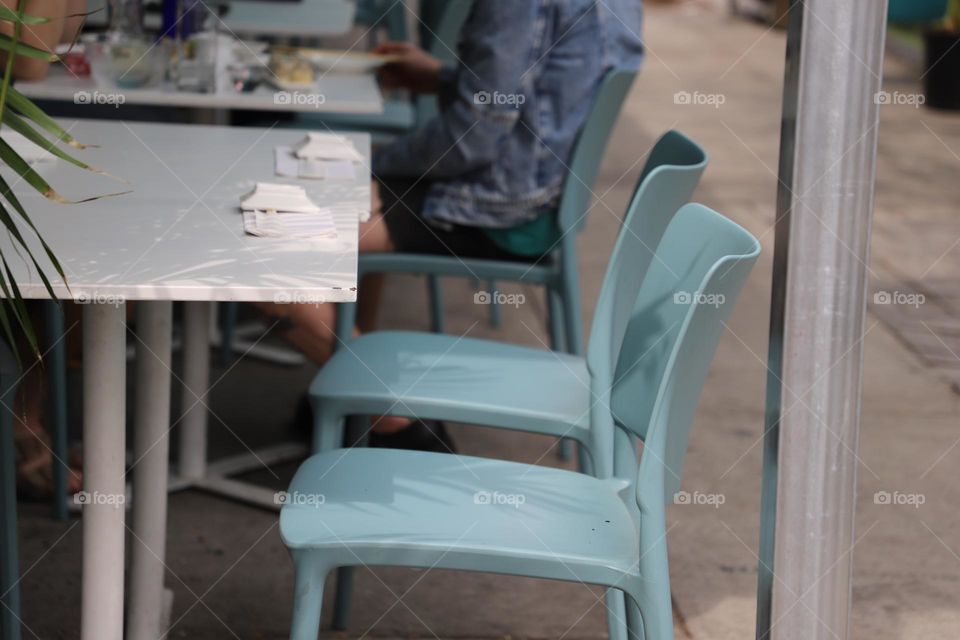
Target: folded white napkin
pixel 285 211
pixel 280 198
pixel 290 225
pixel 327 146
pixel 288 165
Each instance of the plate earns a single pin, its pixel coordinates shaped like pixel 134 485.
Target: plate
pixel 333 61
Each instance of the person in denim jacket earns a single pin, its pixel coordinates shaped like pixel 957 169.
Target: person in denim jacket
pixel 483 178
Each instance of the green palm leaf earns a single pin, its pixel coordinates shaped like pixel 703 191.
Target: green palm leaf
pixel 9 15
pixel 23 127
pixel 18 112
pixel 28 109
pixel 12 44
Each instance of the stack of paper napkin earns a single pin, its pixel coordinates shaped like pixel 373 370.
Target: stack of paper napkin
pixel 321 156
pixel 285 211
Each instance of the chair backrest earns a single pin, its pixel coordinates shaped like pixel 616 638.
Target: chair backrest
pixel 680 312
pixel 589 149
pixel 667 182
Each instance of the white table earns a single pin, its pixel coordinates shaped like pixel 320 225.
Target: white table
pixel 332 93
pixel 178 236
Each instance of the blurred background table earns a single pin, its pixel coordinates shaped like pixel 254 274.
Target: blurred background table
pixel 332 93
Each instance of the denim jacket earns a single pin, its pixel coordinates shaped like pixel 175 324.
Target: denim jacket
pixel 511 108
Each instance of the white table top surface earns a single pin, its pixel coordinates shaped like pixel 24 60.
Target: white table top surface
pixel 179 234
pixel 332 93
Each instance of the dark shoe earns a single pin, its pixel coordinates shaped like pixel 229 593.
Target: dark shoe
pixel 419 436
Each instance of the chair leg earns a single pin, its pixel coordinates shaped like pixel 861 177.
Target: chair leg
pixel 571 318
pixel 310 576
pixel 617 623
pixel 57 407
pixel 557 343
pixel 649 617
pixel 228 329
pixel 558 338
pixel 344 598
pixel 345 322
pixel 436 304
pixel 572 325
pixel 329 427
pixel 635 630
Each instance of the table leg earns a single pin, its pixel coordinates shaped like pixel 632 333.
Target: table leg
pixel 196 379
pixel 151 447
pixel 104 391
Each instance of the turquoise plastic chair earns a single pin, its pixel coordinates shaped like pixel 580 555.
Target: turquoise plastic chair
pixel 9 563
pixel 652 341
pixel 668 180
pixel 558 274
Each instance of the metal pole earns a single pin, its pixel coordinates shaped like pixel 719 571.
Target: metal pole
pixel 828 162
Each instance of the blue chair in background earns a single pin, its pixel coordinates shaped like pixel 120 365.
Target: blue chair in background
pixel 558 274
pixel 668 180
pixel 9 563
pixel 655 330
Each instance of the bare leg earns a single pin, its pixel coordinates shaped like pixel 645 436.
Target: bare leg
pixel 34 452
pixel 311 326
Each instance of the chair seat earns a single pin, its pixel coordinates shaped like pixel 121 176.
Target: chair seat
pixel 461 379
pixel 378 499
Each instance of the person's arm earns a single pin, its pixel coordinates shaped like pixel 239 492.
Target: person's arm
pixel 44 36
pixel 496 54
pixel 413 68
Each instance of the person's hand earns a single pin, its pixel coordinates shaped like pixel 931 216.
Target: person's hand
pixel 414 69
